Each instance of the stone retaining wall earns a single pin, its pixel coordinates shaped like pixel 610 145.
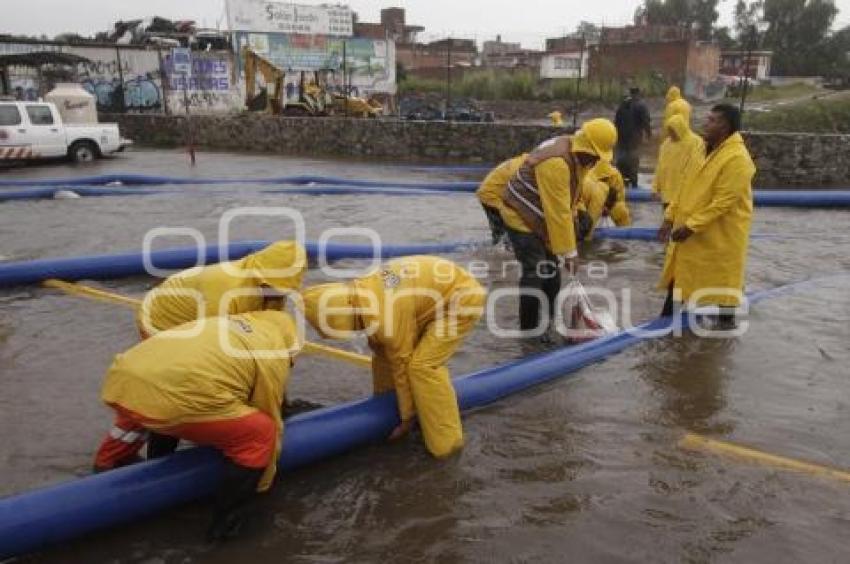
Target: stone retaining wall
pixel 783 159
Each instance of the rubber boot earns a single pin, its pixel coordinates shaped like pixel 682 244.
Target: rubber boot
pixel 161 445
pixel 235 493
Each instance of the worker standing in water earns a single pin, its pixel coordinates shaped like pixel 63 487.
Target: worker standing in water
pixel 253 283
pixel 681 153
pixel 416 312
pixel 633 127
pixel 674 95
pixel 490 194
pixel 709 222
pixel 218 381
pixel 538 209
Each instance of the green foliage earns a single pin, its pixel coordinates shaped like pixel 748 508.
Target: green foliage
pixel 525 85
pixel 831 115
pixel 767 93
pixel 697 15
pixel 798 36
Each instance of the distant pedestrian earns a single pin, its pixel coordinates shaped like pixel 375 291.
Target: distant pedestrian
pixel 633 125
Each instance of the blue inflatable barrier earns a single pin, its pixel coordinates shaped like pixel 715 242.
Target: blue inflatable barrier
pixel 98 267
pixel 806 198
pixel 132 264
pixel 59 513
pixel 359 190
pixel 84 191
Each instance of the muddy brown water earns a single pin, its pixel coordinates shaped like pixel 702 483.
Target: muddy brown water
pixel 585 469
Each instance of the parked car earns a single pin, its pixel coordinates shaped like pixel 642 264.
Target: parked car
pixel 35 130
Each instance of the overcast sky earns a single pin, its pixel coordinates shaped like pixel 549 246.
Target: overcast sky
pixel 528 22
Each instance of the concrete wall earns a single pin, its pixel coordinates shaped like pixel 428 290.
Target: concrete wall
pixel 782 159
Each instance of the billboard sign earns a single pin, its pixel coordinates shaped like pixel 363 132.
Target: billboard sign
pixel 265 16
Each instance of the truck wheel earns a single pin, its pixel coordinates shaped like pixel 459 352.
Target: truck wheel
pixel 83 152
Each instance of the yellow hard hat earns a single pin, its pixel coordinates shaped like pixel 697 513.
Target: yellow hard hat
pixel 596 137
pixel 329 308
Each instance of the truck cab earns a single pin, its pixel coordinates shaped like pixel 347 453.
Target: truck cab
pixel 35 130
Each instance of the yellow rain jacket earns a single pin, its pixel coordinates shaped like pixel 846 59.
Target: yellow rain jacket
pixel 491 189
pixel 223 289
pixel 416 311
pixel 717 205
pixel 674 98
pixel 425 307
pixel 677 160
pixel 608 173
pixel 553 183
pixel 177 380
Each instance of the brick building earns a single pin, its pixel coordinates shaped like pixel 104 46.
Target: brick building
pixel 664 52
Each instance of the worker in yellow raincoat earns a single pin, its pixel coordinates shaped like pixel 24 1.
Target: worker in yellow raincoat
pixel 538 206
pixel 491 191
pixel 709 222
pixel 250 284
pixel 416 312
pixel 681 153
pixel 674 94
pixel 218 381
pixel 599 200
pixel 608 197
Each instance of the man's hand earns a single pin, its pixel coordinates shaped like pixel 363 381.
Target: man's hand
pixel 403 429
pixel 664 231
pixel 681 234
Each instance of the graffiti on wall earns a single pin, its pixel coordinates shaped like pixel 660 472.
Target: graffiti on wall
pixel 134 84
pixel 209 89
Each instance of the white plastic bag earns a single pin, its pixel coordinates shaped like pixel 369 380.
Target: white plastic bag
pixel 582 321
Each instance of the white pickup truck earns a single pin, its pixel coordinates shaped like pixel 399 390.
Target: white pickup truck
pixel 34 130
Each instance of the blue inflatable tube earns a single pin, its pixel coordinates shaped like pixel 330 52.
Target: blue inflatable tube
pixel 59 513
pixel 309 190
pixel 85 191
pixel 98 267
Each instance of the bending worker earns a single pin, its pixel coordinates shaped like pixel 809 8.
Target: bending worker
pixel 538 214
pixel 600 197
pixel 681 153
pixel 217 381
pixel 709 222
pixel 490 195
pixel 416 311
pixel 254 283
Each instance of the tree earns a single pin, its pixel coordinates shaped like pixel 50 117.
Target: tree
pixel 798 35
pixel 698 16
pixel 746 15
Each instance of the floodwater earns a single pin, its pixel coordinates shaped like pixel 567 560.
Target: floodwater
pixel 585 469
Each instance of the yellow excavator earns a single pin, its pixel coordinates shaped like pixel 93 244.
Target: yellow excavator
pixel 314 99
pixel 271 102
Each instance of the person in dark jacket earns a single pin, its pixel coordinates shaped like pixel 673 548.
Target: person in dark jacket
pixel 633 125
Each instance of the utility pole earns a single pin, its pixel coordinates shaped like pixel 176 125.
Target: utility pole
pixel 345 91
pixel 449 78
pixel 746 78
pixel 578 82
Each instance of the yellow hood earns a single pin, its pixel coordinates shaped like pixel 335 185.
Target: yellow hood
pixel 674 94
pixel 281 265
pixel 679 126
pixel 679 107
